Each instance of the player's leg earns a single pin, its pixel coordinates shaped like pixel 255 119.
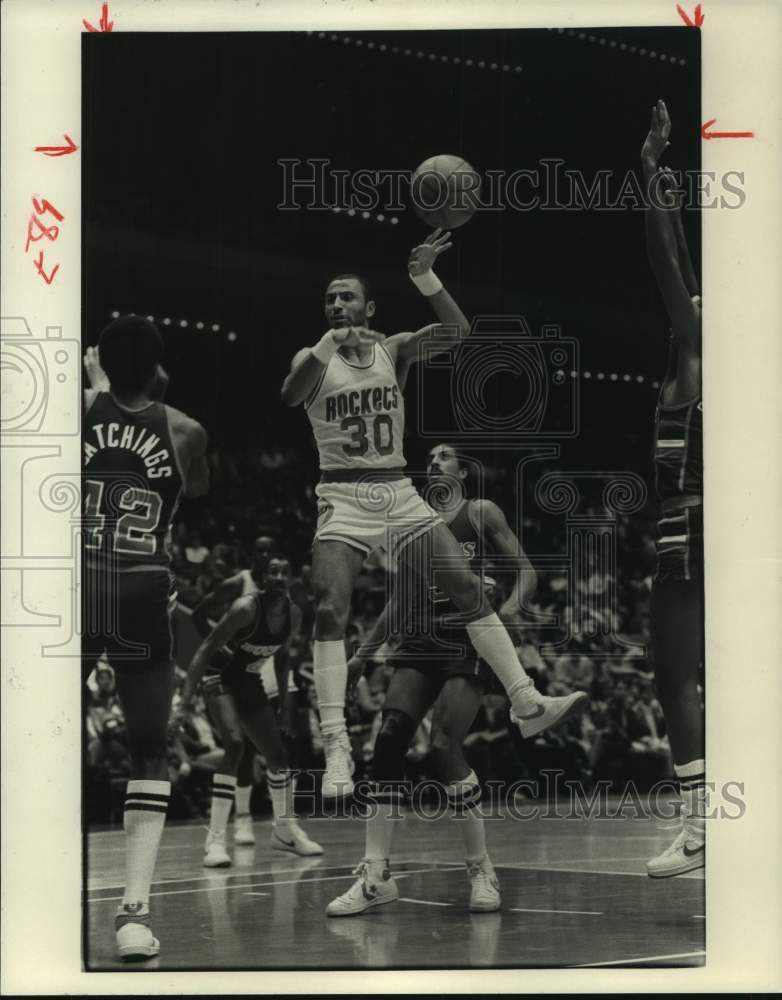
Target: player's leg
pixel 454 713
pixel 145 692
pixel 259 722
pixel 335 566
pixel 677 650
pixel 245 779
pixel 221 702
pixel 409 696
pixel 530 710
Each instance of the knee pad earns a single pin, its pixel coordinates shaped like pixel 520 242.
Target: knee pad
pixel 464 794
pixel 391 745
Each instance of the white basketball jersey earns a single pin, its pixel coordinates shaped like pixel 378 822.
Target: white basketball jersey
pixel 357 414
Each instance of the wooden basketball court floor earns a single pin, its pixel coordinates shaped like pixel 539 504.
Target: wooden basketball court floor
pixel 574 893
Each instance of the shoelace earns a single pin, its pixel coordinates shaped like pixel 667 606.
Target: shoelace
pixel 477 871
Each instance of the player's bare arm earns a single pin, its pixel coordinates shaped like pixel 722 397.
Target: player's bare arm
pixel 224 593
pixel 489 519
pixel 308 363
pixel 190 441
pixel 452 325
pixel 673 195
pixel 239 616
pixel 661 240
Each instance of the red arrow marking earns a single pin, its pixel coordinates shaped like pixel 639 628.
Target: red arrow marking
pixel 699 17
pixel 723 135
pixel 104 24
pixel 58 150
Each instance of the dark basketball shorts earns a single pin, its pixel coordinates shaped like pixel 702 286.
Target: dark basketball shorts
pixel 245 688
pixel 439 660
pixel 680 544
pixel 127 615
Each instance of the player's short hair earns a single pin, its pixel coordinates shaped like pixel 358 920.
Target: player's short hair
pixel 130 348
pixel 278 557
pixel 365 286
pixel 461 459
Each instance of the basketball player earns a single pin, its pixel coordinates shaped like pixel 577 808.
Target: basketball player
pixel 677 607
pixel 435 664
pixel 348 383
pixel 140 456
pixel 255 627
pixel 246 581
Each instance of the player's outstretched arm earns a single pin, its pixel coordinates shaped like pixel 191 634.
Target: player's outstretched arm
pixel 224 593
pixel 661 239
pixel 309 363
pixel 674 195
pixel 492 524
pixel 452 325
pixel 239 616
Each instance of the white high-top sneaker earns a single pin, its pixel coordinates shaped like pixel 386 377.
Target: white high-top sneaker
pixel 338 776
pixel 215 854
pixel 135 940
pixel 484 887
pixel 685 854
pixel 373 888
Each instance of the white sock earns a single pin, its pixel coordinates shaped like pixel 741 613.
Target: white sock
pixel 330 672
pixel 242 799
pixel 493 644
pixel 464 797
pixel 223 786
pixel 692 788
pixel 383 817
pixel 144 816
pixel 281 793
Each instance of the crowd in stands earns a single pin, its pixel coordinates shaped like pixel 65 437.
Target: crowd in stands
pixel 598 646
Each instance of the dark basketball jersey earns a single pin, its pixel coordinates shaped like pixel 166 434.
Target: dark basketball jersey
pixel 678 450
pixel 258 643
pixel 131 483
pixel 427 607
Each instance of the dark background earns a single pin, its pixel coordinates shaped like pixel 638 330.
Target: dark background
pixel 181 137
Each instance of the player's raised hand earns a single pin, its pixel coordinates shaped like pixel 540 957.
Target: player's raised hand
pixel 659 133
pixel 98 378
pixel 423 256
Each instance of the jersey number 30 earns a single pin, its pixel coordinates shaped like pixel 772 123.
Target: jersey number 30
pixel 134 531
pixel 360 442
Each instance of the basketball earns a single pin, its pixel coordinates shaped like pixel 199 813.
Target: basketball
pixel 444 191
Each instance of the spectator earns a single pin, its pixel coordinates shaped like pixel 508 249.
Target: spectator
pixel 195 551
